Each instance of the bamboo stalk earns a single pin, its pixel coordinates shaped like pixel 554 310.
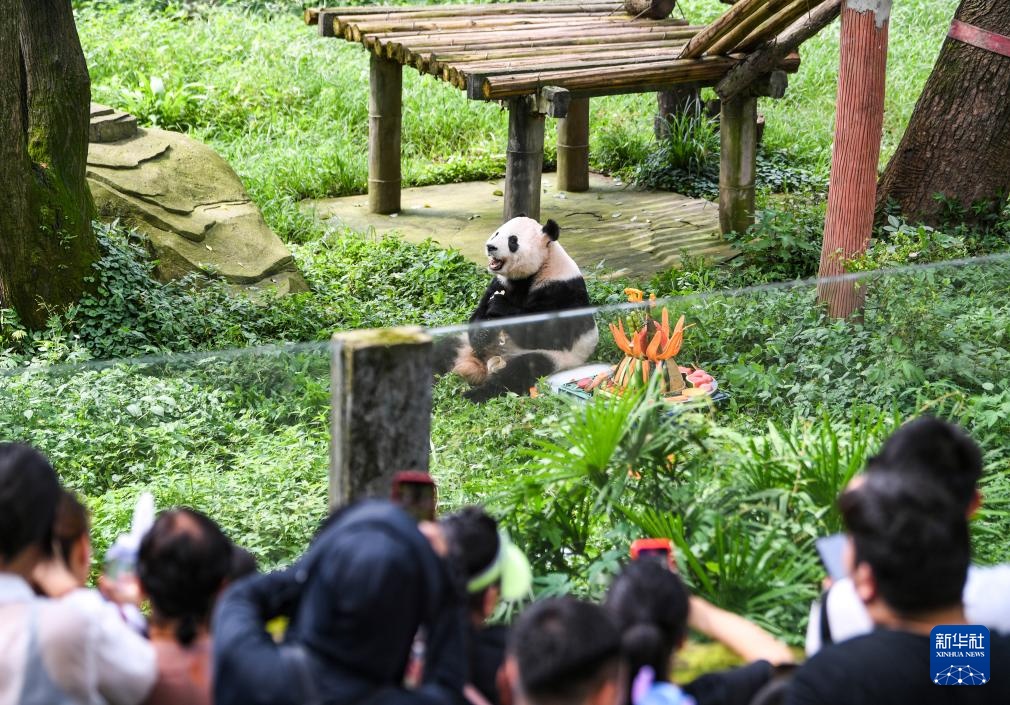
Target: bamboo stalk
pixel 622 78
pixel 715 31
pixel 451 72
pixel 352 32
pixel 403 47
pixel 311 15
pixel 761 62
pixel 451 55
pixel 746 26
pixel 434 62
pixel 457 23
pixel 356 33
pixel 777 24
pixel 561 29
pixel 460 77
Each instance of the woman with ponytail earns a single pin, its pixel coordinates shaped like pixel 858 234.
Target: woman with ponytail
pixel 183 563
pixel 122 662
pixel 654 610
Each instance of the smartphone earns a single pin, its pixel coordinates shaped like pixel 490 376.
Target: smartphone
pixel 416 492
pixel 654 549
pixel 832 552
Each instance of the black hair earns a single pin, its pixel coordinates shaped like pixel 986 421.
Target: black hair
pixel 183 563
pixel 566 649
pixel 914 538
pixel 473 540
pixel 29 494
pixel 242 563
pixel 69 525
pixel 650 604
pixel 936 449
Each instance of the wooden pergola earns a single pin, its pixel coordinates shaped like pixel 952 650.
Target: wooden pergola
pixel 550 57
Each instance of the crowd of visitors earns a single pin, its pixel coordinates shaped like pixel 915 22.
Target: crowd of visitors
pixel 384 609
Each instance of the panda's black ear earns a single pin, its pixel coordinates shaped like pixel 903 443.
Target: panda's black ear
pixel 552 230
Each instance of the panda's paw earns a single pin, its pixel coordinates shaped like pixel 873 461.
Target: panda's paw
pixel 495 364
pixel 480 394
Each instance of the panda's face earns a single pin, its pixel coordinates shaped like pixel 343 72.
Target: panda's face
pixel 520 247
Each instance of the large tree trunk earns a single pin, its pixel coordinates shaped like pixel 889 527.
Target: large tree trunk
pixel 958 140
pixel 47 246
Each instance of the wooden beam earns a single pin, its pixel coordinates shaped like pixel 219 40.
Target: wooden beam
pixel 745 26
pixel 553 101
pixel 524 159
pixel 573 148
pixel 775 25
pixel 738 135
pixel 711 34
pixel 381 410
pixel 764 60
pixel 628 78
pixel 385 109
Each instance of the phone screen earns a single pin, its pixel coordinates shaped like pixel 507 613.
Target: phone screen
pixel 832 552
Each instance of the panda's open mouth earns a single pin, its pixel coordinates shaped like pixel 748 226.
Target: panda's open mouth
pixel 495 264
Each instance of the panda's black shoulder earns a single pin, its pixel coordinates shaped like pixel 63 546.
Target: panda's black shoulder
pixel 561 294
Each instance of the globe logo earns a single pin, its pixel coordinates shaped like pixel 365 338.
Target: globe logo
pixel 959 655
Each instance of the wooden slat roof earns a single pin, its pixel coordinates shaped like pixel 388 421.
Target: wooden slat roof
pixel 590 47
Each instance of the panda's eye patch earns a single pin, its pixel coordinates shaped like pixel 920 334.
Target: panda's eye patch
pixel 513 243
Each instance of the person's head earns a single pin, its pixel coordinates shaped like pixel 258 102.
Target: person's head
pixel 242 563
pixel 928 447
pixel 29 495
pixel 650 604
pixel 910 547
pixel 566 652
pixel 472 537
pixel 183 563
pixel 72 537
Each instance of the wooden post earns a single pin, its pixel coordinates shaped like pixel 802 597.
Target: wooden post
pixel 684 98
pixel 524 159
pixel 858 131
pixel 385 107
pixel 738 132
pixel 381 410
pixel 573 147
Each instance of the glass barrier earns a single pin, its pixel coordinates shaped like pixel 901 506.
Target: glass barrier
pixel 727 421
pixel 240 435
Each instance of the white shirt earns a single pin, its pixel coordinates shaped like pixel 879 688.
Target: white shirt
pixel 42 647
pixel 985 603
pixel 69 648
pixel 125 663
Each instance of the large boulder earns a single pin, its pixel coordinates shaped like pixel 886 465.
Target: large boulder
pixel 188 203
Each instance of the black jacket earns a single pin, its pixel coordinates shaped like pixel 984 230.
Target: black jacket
pixel 355 600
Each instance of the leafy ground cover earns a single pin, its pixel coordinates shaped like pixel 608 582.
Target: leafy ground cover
pixel 743 489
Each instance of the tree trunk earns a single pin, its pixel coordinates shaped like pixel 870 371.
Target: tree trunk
pixel 958 139
pixel 47 246
pixel 671 103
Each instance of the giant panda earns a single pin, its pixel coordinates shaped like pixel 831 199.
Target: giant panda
pixel 532 275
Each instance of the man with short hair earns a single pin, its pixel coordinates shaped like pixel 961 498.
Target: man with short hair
pixel 494 568
pixel 909 550
pixel 923 449
pixel 44 655
pixel 565 652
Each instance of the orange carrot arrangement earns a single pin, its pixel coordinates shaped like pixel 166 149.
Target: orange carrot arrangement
pixel 649 353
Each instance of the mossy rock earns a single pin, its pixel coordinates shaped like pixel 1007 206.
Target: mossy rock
pixel 192 208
